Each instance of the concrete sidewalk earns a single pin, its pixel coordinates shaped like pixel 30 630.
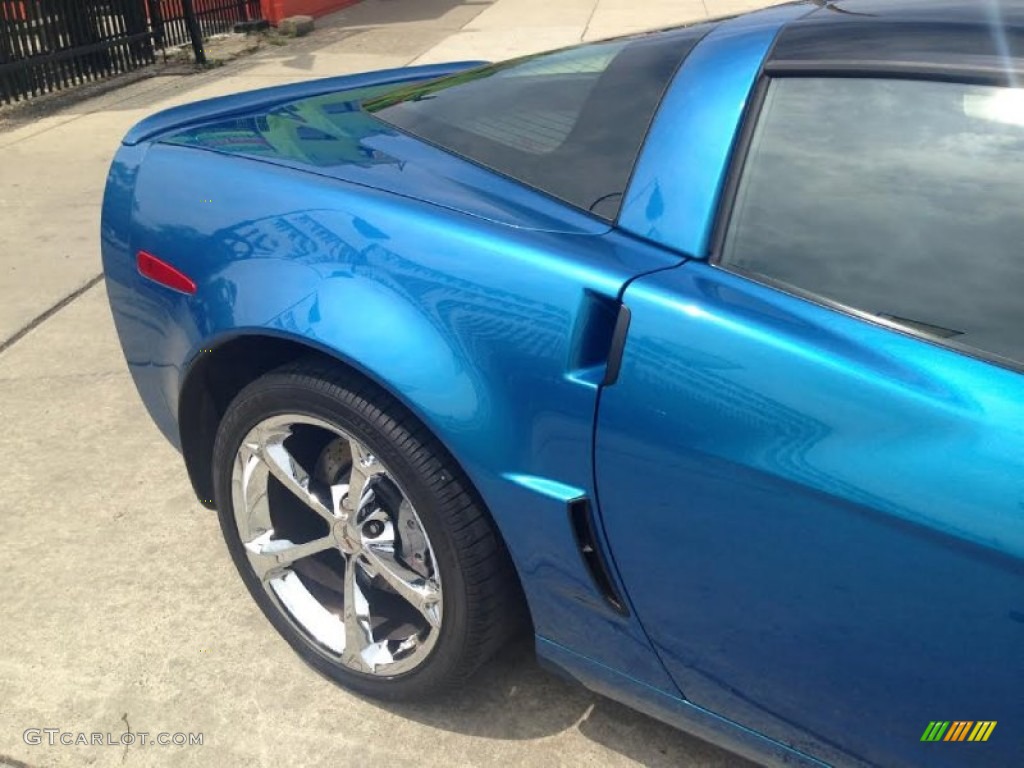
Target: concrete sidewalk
pixel 121 609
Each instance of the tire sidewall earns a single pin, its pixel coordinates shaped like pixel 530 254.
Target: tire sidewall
pixel 411 465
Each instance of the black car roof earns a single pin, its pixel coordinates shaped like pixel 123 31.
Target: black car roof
pixel 963 39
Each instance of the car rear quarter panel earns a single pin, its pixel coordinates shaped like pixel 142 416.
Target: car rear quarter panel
pixel 466 321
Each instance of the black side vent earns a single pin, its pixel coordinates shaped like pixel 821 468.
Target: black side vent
pixel 582 519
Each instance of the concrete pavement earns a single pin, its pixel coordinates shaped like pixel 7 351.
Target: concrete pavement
pixel 121 609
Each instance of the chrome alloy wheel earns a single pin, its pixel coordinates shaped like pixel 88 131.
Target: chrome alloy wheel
pixel 336 544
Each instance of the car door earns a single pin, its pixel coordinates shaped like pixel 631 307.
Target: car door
pixel 811 467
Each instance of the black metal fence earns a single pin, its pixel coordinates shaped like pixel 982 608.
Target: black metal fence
pixel 50 44
pixel 47 45
pixel 172 18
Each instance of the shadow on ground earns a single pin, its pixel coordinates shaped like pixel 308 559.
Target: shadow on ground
pixel 513 698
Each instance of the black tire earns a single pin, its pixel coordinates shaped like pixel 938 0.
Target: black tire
pixel 483 602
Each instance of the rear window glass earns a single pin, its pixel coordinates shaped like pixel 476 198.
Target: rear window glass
pixel 569 123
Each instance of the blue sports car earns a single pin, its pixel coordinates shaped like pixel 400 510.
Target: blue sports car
pixel 698 354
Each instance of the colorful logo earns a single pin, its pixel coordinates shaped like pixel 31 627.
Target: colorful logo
pixel 958 730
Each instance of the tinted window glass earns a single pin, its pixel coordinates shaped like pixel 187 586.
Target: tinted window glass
pixel 569 123
pixel 898 198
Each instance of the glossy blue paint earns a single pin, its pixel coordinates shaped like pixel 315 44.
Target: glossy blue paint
pixel 331 136
pixel 546 486
pixel 828 541
pixel 676 185
pixel 458 331
pixel 262 99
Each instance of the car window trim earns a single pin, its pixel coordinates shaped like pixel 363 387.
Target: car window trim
pixel 883 322
pixel 727 203
pixel 750 120
pixel 966 74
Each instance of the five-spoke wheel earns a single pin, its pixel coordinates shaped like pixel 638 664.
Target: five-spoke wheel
pixel 369 546
pixel 357 535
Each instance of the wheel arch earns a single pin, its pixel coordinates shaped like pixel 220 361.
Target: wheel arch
pixel 223 368
pixel 220 371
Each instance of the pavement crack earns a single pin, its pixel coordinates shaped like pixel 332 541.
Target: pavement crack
pixel 42 318
pixel 590 19
pixel 124 755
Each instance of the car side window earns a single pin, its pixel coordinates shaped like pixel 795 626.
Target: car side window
pixel 901 199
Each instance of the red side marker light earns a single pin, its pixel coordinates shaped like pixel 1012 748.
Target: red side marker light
pixel 161 272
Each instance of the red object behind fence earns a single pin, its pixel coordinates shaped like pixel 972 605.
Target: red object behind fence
pixel 275 10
